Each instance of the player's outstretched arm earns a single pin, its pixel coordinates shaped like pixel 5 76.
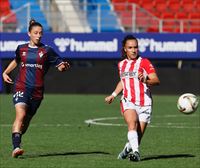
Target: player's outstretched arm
pixel 63 66
pixel 10 67
pixel 118 89
pixel 151 80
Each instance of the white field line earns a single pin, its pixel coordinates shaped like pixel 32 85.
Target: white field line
pixel 40 125
pixel 101 121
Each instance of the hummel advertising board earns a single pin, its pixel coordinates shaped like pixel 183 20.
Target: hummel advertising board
pixel 108 45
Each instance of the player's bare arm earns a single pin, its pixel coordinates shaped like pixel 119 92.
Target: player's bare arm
pixel 118 89
pixel 10 67
pixel 151 80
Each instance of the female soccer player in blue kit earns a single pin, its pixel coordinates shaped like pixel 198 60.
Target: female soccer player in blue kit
pixel 33 59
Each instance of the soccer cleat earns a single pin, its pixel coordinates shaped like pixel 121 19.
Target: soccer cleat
pixel 17 152
pixel 135 157
pixel 124 153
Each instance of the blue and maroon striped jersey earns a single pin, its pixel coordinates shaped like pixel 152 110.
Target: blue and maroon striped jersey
pixel 33 65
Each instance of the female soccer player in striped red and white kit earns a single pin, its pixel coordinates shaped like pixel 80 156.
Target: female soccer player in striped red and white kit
pixel 33 59
pixel 137 74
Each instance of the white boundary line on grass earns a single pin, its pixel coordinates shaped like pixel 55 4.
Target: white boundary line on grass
pixel 40 125
pixel 101 122
pixel 95 121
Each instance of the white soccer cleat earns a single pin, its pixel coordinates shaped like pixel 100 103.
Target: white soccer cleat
pixel 17 152
pixel 135 157
pixel 124 153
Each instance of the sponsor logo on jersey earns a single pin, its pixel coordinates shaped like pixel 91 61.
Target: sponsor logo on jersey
pixel 41 54
pixel 129 75
pixel 31 65
pixel 23 53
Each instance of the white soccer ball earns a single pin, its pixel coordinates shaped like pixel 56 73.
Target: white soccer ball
pixel 187 103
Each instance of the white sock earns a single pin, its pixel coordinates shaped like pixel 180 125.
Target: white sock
pixel 133 140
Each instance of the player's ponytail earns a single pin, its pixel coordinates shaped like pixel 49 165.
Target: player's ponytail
pixel 33 23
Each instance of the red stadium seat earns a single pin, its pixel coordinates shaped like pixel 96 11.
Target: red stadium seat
pixel 187 1
pixel 149 6
pixel 160 1
pixel 188 7
pixel 167 15
pixel 126 19
pixel 172 12
pixel 174 7
pixel 120 6
pixel 174 1
pixel 181 15
pixel 161 7
pixel 134 1
pixel 194 15
pixel 153 29
pixel 195 30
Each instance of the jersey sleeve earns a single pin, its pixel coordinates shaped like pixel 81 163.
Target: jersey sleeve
pixel 54 58
pixel 147 65
pixel 17 55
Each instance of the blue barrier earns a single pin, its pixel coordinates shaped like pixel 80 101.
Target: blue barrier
pixel 1 82
pixel 108 45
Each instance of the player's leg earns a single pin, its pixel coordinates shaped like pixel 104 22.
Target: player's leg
pixel 140 130
pixel 31 111
pixel 144 114
pixel 131 119
pixel 16 129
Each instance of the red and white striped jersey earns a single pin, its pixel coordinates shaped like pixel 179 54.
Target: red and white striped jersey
pixel 133 89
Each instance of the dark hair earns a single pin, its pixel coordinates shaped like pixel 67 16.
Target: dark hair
pixel 33 23
pixel 126 38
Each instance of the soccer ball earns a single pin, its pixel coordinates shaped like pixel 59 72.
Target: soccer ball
pixel 187 103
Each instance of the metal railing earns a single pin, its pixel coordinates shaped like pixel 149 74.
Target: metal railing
pixel 98 17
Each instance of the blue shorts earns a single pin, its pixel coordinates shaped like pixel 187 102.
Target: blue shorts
pixel 21 97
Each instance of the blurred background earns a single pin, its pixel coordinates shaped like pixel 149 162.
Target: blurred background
pixel 88 34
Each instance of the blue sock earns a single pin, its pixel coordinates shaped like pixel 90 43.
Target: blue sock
pixel 16 139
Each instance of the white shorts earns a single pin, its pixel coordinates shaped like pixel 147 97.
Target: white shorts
pixel 144 112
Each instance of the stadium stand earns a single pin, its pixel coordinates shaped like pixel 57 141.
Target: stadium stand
pixel 178 16
pixel 7 16
pixel 72 16
pixel 22 9
pixel 101 17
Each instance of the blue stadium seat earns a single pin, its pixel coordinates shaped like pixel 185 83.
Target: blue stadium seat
pixel 35 12
pixel 108 22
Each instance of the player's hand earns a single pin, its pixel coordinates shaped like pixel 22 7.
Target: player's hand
pixel 141 77
pixel 7 79
pixel 64 66
pixel 109 99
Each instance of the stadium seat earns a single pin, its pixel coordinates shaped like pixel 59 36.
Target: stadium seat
pixel 174 7
pixel 188 7
pixel 194 15
pixel 187 1
pixel 172 12
pixel 167 15
pixel 8 17
pixel 195 29
pixel 174 1
pixel 134 1
pixel 35 12
pixel 161 7
pixel 153 29
pixel 181 15
pixel 109 21
pixel 120 6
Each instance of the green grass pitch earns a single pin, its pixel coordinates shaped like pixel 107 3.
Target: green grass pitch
pixel 58 136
